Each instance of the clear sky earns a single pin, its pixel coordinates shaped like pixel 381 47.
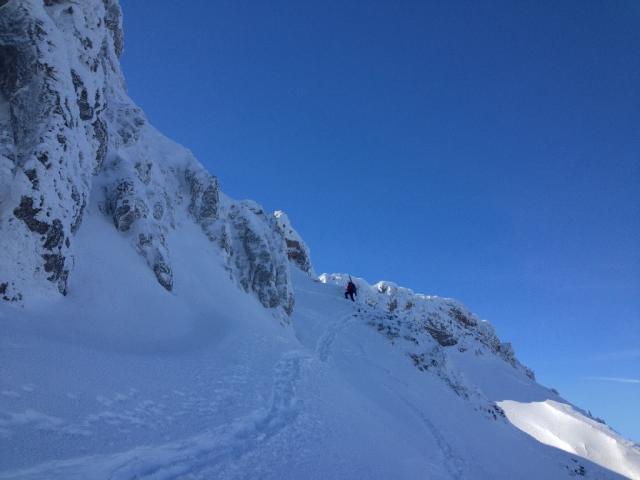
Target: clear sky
pixel 486 151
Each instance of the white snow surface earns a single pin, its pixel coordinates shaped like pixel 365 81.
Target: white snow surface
pixel 124 380
pixel 560 425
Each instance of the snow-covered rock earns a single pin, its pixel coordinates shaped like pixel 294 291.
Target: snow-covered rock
pixel 297 251
pixel 57 61
pixel 69 134
pixel 258 254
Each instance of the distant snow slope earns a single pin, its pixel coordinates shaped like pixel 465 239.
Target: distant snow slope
pixel 153 328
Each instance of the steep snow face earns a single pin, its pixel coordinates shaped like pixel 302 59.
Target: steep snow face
pixel 70 135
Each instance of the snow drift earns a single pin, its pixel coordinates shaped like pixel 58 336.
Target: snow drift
pixel 155 328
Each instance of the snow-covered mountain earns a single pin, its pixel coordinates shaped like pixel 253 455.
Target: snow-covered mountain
pixel 152 327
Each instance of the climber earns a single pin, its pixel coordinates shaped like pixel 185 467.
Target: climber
pixel 351 290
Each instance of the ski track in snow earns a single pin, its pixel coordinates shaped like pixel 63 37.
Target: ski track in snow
pixel 188 458
pixel 456 467
pixel 247 435
pixel 455 464
pixel 326 340
pixel 249 443
pixel 195 456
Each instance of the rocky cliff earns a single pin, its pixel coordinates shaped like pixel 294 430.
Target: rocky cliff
pixel 70 135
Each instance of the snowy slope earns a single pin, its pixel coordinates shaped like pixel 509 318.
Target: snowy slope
pixel 223 390
pixel 154 328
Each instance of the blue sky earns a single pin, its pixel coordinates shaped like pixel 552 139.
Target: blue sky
pixel 486 151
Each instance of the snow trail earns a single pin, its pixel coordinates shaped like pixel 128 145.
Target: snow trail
pixel 330 399
pixel 194 456
pixel 327 339
pixel 190 457
pixel 456 466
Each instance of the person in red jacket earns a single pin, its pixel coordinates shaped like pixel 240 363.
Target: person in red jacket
pixel 351 290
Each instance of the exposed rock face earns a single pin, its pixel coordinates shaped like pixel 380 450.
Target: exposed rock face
pixel 70 136
pixel 254 249
pixel 46 158
pixel 258 254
